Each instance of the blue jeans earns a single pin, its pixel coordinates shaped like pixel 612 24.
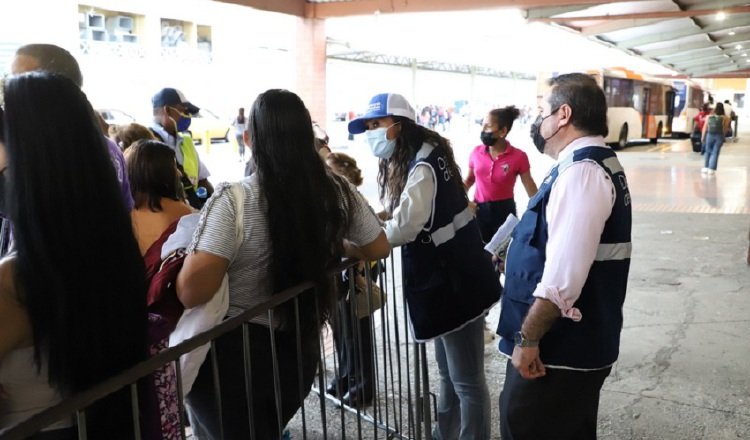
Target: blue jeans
pixel 463 406
pixel 240 144
pixel 713 147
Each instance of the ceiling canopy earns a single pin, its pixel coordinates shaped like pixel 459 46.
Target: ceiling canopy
pixel 697 38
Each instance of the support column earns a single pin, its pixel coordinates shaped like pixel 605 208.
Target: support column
pixel 311 66
pixel 472 96
pixel 414 84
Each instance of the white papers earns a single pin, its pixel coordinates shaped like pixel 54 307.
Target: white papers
pixel 500 241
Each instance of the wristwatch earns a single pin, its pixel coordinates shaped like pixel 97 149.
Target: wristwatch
pixel 523 341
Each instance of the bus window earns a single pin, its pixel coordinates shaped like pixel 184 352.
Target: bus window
pixel 619 92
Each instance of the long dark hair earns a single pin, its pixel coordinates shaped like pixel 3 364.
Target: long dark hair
pixel 153 174
pixel 306 220
pixel 78 271
pixel 393 172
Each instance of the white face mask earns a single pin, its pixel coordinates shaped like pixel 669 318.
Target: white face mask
pixel 380 145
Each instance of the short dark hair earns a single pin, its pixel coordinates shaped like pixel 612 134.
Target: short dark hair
pixel 345 165
pixel 153 174
pixel 719 109
pixel 584 96
pixel 54 59
pixel 504 117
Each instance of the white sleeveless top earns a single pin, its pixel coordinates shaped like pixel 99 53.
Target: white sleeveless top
pixel 27 392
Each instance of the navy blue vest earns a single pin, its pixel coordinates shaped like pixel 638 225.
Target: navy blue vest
pixel 593 342
pixel 448 276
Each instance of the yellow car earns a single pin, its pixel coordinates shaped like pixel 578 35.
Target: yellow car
pixel 207 122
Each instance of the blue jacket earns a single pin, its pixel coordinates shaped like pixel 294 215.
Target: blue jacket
pixel 594 341
pixel 448 276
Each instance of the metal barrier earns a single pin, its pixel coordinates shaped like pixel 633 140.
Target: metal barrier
pixel 401 402
pixel 5 236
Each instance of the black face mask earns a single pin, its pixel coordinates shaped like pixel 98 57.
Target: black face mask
pixel 536 132
pixel 488 138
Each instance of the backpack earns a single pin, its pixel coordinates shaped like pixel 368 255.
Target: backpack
pixel 715 124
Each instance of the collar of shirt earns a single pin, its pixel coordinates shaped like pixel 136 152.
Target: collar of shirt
pixel 172 141
pixel 508 149
pixel 581 142
pixel 424 151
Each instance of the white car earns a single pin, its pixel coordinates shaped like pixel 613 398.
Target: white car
pixel 115 117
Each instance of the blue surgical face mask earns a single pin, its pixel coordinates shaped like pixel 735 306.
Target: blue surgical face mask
pixel 183 123
pixel 380 145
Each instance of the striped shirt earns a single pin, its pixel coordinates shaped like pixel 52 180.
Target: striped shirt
pixel 250 278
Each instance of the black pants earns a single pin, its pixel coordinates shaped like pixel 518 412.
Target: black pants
pixel 562 405
pixel 354 354
pixel 491 215
pixel 201 402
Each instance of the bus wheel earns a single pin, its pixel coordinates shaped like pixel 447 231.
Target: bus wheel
pixel 658 133
pixel 622 141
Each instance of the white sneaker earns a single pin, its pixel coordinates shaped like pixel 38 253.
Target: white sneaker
pixel 711 172
pixel 704 170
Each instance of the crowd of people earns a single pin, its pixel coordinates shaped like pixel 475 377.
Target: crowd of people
pixel 124 234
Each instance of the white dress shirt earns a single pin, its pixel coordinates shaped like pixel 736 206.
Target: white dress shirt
pixel 580 202
pixel 414 209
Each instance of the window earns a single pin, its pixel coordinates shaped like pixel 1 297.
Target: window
pixel 619 92
pixel 696 97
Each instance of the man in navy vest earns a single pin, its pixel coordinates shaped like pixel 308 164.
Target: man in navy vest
pixel 566 273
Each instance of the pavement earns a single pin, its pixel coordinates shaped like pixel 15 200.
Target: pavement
pixel 683 367
pixel 682 372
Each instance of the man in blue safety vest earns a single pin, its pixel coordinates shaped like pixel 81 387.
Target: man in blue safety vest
pixel 566 273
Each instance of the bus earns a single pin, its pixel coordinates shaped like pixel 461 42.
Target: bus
pixel 638 107
pixel 689 98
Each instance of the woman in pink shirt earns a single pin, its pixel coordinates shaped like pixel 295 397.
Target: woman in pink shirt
pixel 494 166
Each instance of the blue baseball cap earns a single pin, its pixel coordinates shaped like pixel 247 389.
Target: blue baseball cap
pixel 169 96
pixel 382 105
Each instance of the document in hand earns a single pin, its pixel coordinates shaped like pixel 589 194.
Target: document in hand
pixel 500 241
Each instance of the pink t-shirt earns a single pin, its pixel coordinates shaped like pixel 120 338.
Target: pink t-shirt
pixel 495 179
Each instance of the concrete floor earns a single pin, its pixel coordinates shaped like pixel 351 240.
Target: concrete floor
pixel 683 372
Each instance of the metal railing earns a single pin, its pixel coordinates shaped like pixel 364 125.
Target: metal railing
pixel 401 401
